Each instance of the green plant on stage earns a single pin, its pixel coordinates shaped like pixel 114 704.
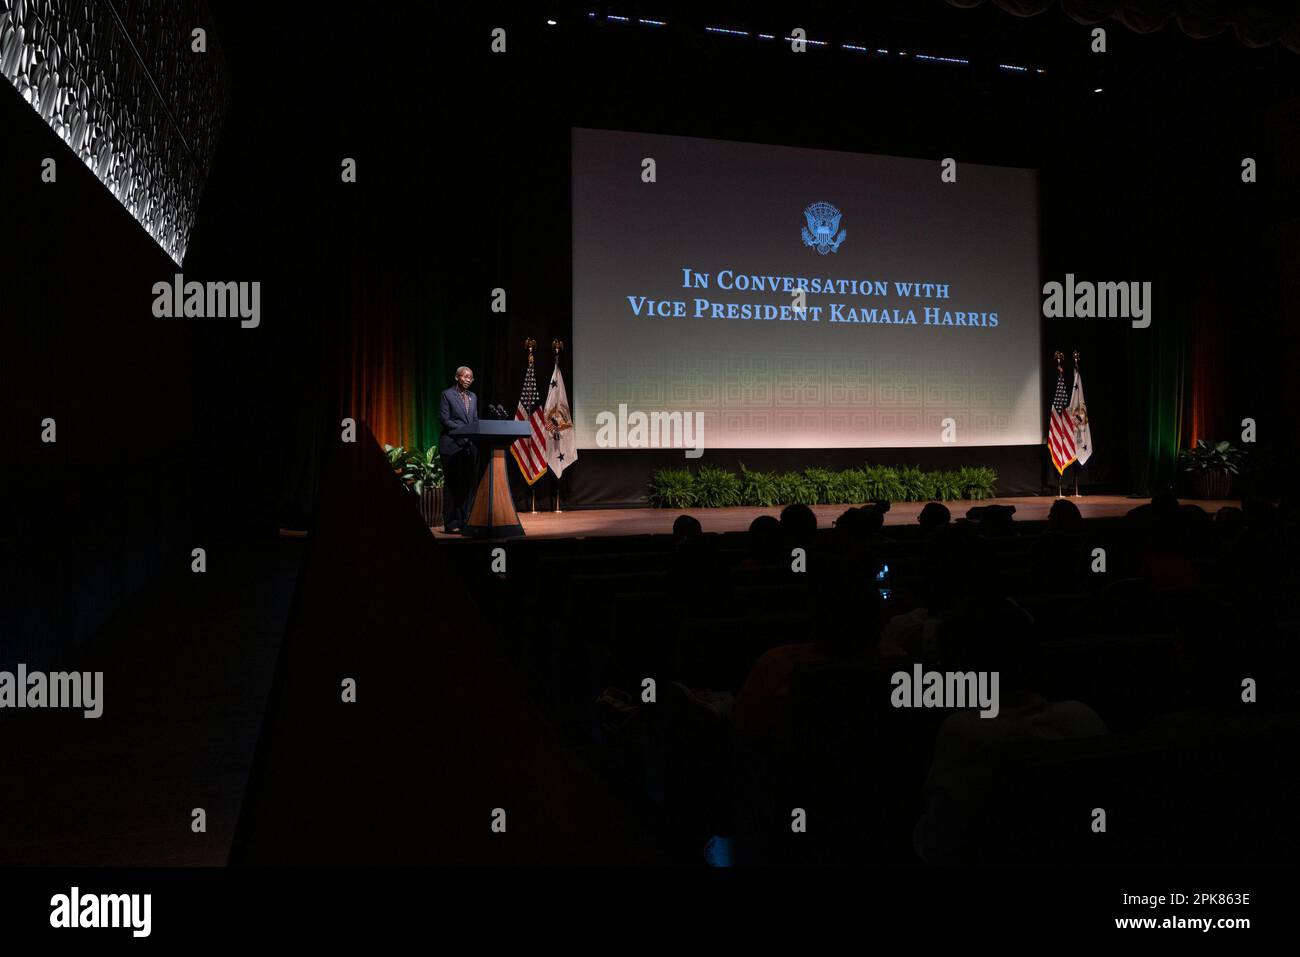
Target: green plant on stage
pixel 672 488
pixel 716 488
pixel 759 488
pixel 820 484
pixel 416 468
pixel 396 456
pixel 847 487
pixel 797 489
pixel 1212 457
pixel 882 483
pixel 916 485
pixel 790 488
pixel 713 487
pixel 946 486
pixel 975 482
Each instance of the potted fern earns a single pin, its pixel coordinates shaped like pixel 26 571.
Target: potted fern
pixel 420 470
pixel 1212 466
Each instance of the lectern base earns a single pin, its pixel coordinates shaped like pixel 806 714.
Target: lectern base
pixel 492 513
pixel 492 531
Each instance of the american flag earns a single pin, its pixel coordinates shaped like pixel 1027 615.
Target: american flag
pixel 1060 431
pixel 530 450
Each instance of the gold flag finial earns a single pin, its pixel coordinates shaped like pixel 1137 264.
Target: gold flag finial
pixel 557 345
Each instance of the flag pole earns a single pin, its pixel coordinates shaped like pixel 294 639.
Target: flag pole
pixel 532 487
pixel 1059 356
pixel 1076 462
pixel 557 345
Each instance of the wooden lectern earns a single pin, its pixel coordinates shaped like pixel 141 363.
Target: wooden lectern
pixel 492 510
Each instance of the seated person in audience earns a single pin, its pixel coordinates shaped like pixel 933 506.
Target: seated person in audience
pixel 993 521
pixel 1060 558
pixel 990 635
pixel 914 634
pixel 698 579
pixel 846 624
pixel 798 526
pixel 874 517
pixel 764 543
pixel 1229 522
pixel 1064 516
pixel 955 565
pixel 1166 560
pixel 687 526
pixel 934 516
pixel 1162 504
pixel 851 536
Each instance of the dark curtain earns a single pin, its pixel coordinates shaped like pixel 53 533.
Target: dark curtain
pixel 1255 25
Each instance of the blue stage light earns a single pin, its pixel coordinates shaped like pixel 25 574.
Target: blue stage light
pixel 942 59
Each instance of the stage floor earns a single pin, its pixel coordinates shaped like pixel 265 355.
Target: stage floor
pixel 652 521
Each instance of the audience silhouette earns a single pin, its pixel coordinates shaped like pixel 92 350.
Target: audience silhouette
pixel 1097 630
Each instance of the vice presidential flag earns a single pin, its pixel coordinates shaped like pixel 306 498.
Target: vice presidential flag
pixel 1060 427
pixel 561 444
pixel 1079 416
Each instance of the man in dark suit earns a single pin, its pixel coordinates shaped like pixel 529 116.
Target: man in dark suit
pixel 459 407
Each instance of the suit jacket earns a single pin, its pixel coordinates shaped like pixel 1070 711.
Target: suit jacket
pixel 451 411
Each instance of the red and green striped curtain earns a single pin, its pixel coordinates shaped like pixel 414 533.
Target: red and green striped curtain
pixel 1179 385
pixel 394 362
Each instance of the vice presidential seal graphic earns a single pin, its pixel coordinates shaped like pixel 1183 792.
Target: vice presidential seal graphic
pixel 823 221
pixel 558 418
